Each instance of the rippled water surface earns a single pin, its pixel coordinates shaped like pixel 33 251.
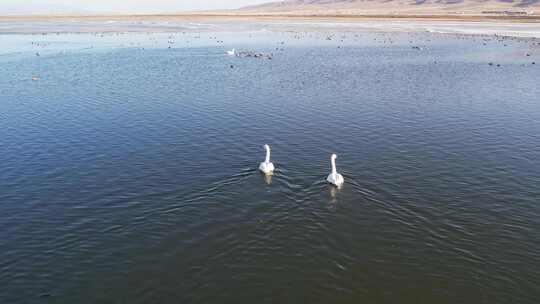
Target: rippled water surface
pixel 128 169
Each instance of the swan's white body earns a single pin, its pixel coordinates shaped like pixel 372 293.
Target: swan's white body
pixel 335 178
pixel 231 52
pixel 266 166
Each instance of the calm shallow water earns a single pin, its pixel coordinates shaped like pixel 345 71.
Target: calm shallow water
pixel 128 171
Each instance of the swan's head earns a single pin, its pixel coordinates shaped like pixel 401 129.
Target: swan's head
pixel 333 157
pixel 266 147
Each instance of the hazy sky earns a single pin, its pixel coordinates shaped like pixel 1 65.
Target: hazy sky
pixel 51 6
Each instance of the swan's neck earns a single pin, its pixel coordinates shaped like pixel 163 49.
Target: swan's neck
pixel 267 159
pixel 334 170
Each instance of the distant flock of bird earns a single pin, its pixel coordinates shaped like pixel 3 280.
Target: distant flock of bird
pixel 334 178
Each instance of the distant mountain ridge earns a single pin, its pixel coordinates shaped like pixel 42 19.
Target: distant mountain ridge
pixel 400 6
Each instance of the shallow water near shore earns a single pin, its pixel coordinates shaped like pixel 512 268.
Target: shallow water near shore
pixel 128 169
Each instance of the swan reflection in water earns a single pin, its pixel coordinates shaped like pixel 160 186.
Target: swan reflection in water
pixel 267 178
pixel 334 192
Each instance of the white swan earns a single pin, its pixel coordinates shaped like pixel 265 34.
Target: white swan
pixel 266 166
pixel 334 178
pixel 231 52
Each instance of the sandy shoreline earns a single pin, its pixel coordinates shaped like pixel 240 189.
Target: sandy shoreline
pixel 275 16
pixel 523 26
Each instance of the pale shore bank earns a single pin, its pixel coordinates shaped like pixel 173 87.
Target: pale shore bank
pixel 518 26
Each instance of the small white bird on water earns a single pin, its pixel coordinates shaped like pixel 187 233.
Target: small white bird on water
pixel 266 166
pixel 335 178
pixel 231 52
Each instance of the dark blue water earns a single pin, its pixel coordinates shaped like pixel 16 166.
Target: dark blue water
pixel 128 174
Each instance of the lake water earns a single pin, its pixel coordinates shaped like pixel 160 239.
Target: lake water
pixel 128 169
